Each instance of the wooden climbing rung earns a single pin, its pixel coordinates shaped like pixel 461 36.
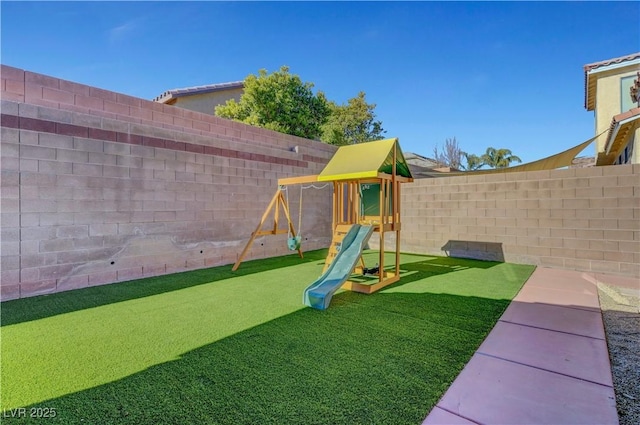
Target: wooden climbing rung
pixel 338 236
pixel 271 232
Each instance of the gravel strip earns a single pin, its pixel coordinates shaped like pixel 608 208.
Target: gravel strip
pixel 621 314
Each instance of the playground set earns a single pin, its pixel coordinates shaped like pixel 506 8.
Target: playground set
pixel 366 182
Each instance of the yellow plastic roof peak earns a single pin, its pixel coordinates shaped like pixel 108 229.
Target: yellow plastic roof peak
pixel 364 160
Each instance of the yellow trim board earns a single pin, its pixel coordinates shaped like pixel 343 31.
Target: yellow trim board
pixel 298 180
pixel 348 176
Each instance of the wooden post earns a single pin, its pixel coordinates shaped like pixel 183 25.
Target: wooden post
pixel 381 231
pixel 359 212
pixel 276 214
pixel 340 203
pixel 285 208
pixel 395 206
pixel 334 219
pixel 349 202
pixel 396 194
pixel 255 232
pixel 354 202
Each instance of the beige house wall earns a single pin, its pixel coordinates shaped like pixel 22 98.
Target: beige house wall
pixel 608 99
pixel 207 102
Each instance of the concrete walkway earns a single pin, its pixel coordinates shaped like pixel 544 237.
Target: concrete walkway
pixel 545 362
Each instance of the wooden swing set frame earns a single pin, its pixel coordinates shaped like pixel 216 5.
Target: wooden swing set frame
pixel 278 201
pixel 346 211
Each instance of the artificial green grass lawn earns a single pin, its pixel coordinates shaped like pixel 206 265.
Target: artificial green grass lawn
pixel 214 346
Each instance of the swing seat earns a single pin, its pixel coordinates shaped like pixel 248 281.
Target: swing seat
pixel 294 243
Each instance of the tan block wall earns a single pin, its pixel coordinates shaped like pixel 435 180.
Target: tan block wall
pixel 99 187
pixel 584 219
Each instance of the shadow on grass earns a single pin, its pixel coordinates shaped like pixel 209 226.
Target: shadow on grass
pixel 34 308
pixel 383 359
pixel 411 271
pixel 440 265
pixel 491 251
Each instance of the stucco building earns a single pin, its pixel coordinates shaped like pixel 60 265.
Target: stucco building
pixel 202 98
pixel 611 91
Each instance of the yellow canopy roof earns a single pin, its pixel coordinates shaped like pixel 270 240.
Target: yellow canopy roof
pixel 365 160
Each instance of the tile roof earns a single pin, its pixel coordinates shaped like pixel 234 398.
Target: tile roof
pixel 420 161
pixel 423 167
pixel 590 103
pixel 622 127
pixel 209 88
pixel 583 162
pixel 630 115
pixel 588 67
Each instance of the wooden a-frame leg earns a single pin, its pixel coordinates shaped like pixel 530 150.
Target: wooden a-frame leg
pixel 253 235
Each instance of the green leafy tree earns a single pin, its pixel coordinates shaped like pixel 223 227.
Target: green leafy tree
pixel 473 162
pixel 279 101
pixel 352 123
pixel 499 158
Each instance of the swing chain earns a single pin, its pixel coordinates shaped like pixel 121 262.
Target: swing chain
pixel 286 193
pixel 300 214
pixel 294 242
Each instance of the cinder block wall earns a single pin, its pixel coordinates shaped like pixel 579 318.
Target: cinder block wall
pixel 99 187
pixel 585 219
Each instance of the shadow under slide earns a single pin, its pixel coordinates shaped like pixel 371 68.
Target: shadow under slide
pixel 318 294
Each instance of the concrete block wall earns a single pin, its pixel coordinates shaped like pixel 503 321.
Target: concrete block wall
pixel 99 187
pixel 585 219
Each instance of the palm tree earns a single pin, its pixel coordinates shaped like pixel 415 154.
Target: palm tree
pixel 499 158
pixel 474 162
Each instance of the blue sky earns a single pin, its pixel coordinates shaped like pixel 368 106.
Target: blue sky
pixel 501 74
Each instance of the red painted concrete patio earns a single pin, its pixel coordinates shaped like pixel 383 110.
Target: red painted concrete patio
pixel 545 362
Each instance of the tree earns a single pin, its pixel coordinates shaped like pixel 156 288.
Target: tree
pixel 451 154
pixel 279 101
pixel 352 123
pixel 499 158
pixel 474 162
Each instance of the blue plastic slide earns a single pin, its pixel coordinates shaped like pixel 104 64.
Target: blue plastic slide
pixel 318 294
